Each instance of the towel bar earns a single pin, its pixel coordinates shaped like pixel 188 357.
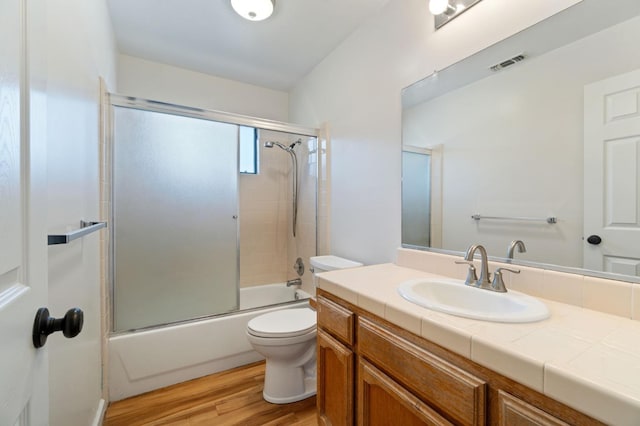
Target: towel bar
pixel 85 229
pixel 551 219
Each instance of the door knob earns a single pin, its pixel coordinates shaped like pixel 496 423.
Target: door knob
pixel 594 240
pixel 44 325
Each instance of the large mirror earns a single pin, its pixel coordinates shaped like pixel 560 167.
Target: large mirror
pixel 545 148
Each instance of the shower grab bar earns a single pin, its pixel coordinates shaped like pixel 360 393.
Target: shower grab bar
pixel 85 229
pixel 550 219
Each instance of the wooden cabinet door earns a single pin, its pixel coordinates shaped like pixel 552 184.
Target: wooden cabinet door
pixel 515 412
pixel 335 382
pixel 382 401
pixel 460 396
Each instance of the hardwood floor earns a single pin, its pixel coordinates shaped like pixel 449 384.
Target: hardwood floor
pixel 229 398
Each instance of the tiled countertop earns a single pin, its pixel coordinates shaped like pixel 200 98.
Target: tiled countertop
pixel 586 359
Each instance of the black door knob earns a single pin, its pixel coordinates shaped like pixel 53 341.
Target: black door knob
pixel 44 325
pixel 594 240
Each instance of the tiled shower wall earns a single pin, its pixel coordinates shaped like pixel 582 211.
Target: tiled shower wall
pixel 324 192
pixel 264 216
pixel 268 249
pixel 304 245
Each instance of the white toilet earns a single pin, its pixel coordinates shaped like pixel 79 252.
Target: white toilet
pixel 287 339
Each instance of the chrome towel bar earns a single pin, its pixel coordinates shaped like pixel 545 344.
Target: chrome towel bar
pixel 85 229
pixel 551 219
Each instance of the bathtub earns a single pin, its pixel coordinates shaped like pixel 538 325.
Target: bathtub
pixel 145 360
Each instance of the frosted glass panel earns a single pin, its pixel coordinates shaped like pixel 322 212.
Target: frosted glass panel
pixel 416 198
pixel 175 232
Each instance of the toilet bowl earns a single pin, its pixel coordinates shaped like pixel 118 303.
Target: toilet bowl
pixel 287 340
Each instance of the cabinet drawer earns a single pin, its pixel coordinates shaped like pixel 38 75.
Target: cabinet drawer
pixel 336 320
pixel 455 394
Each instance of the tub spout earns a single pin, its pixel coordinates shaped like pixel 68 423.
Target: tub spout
pixel 295 281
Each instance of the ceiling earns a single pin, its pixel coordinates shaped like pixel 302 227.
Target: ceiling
pixel 209 37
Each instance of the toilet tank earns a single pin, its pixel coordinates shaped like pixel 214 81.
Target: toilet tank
pixel 329 263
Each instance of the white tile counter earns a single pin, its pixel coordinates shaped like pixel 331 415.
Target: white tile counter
pixel 586 359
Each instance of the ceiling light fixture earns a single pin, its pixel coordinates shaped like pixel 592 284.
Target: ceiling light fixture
pixel 253 10
pixel 444 11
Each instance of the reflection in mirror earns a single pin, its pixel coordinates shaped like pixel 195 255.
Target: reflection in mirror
pixel 416 196
pixel 556 134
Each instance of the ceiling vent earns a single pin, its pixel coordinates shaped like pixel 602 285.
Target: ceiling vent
pixel 504 64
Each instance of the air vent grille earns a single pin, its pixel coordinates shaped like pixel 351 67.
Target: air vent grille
pixel 504 64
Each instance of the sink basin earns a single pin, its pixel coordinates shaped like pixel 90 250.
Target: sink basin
pixel 454 297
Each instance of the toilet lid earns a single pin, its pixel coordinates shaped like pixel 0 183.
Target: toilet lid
pixel 284 323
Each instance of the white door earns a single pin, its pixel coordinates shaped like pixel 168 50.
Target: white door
pixel 23 251
pixel 612 174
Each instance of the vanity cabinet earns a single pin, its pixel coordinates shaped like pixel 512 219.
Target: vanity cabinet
pixel 371 372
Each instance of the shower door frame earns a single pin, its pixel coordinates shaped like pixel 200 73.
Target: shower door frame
pixel 119 100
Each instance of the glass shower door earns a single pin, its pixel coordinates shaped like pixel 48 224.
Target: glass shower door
pixel 175 206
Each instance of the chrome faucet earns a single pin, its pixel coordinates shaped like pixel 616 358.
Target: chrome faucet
pixel 484 281
pixel 515 243
pixel 295 281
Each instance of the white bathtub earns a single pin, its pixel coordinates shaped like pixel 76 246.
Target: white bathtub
pixel 150 359
pixel 270 294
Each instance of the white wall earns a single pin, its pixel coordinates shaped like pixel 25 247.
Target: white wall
pixel 152 80
pixel 356 89
pixel 80 48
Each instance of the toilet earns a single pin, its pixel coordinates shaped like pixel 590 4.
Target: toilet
pixel 287 340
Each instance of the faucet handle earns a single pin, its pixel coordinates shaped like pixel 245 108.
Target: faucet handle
pixel 498 283
pixel 472 277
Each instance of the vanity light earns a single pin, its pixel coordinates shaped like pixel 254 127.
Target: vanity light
pixel 438 7
pixel 444 11
pixel 253 10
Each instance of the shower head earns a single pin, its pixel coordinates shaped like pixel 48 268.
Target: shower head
pixel 270 144
pixel 293 145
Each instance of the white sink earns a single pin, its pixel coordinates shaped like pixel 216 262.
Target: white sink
pixel 454 297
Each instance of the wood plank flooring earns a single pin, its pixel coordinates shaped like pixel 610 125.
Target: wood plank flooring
pixel 232 397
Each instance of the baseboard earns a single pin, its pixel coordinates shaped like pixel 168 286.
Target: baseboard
pixel 102 408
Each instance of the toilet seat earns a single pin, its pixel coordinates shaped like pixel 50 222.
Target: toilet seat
pixel 284 323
